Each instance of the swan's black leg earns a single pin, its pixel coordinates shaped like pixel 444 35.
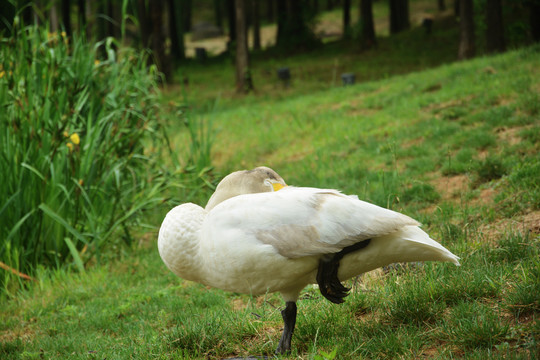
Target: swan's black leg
pixel 327 274
pixel 329 284
pixel 289 321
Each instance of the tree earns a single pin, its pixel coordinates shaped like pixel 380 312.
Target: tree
pixel 293 30
pixel 231 20
pixel 66 17
pixel 494 27
pixel 534 19
pixel 330 4
pixel 256 25
pixel 53 18
pixel 218 11
pixel 176 29
pixel 187 7
pixel 281 22
pixel 315 6
pixel 244 82
pixel 441 4
pixel 270 13
pixel 145 23
pixel 157 37
pixel 84 10
pixel 367 37
pixel 399 15
pixel 466 30
pixel 114 13
pixel 346 19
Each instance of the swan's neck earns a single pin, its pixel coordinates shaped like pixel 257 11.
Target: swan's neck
pixel 178 240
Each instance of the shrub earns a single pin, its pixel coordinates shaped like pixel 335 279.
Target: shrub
pixel 73 134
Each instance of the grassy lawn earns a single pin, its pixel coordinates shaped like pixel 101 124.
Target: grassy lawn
pixel 455 146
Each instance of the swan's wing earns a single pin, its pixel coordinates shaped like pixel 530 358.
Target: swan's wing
pixel 300 222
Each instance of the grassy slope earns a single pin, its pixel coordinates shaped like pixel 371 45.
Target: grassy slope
pixel 456 147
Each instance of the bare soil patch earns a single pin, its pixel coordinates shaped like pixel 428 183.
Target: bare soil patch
pixel 511 135
pixel 451 187
pixel 524 224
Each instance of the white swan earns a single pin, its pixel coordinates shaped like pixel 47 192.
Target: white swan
pixel 252 238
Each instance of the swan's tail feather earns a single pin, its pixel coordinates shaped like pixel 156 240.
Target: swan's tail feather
pixel 425 246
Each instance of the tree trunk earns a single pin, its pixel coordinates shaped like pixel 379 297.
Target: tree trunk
pixel 399 15
pixel 281 22
pixel 231 21
pixel 297 26
pixel 293 31
pixel 114 19
pixel 466 30
pixel 442 5
pixel 157 40
pixel 367 38
pixel 534 19
pixel 346 19
pixel 176 28
pixel 144 23
pixel 494 27
pixel 53 15
pixel 315 6
pixel 329 4
pixel 81 15
pixel 90 17
pixel 244 82
pixel 270 13
pixel 187 10
pixel 66 17
pixel 256 25
pixel 101 22
pixel 218 13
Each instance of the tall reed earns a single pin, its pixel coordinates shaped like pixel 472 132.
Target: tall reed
pixel 74 129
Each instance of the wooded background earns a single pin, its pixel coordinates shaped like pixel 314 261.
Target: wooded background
pixel 161 25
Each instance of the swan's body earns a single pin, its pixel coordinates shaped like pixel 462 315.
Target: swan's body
pixel 272 241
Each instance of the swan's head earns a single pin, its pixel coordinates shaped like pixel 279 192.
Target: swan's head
pixel 258 180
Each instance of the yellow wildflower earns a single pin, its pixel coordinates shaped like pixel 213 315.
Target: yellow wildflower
pixel 75 138
pixel 63 33
pixel 70 146
pixel 2 73
pixel 66 134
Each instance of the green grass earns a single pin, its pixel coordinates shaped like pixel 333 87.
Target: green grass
pixel 462 157
pixel 120 310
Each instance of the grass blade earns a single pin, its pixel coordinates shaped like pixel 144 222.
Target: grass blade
pixel 75 254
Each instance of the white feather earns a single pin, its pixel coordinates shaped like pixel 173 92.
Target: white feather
pixel 273 241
